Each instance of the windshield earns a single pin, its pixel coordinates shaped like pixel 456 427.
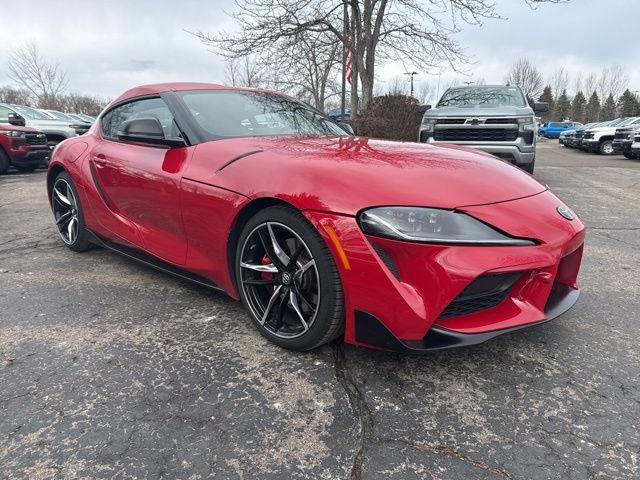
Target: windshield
pixel 31 113
pixel 60 115
pixel 233 113
pixel 488 96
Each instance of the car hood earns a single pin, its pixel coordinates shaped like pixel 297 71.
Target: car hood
pixel 6 126
pixel 478 111
pixel 347 174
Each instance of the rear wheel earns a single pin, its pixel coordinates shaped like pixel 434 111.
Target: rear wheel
pixel 67 212
pixel 606 147
pixel 4 162
pixel 288 281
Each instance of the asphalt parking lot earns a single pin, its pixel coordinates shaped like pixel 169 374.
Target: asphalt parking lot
pixel 110 369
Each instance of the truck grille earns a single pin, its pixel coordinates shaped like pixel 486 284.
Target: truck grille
pixel 623 134
pixel 36 139
pixel 579 134
pixel 476 134
pixel 588 135
pixel 484 120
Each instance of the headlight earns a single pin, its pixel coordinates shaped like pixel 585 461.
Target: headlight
pixel 431 225
pixel 527 124
pixel 428 123
pixel 12 133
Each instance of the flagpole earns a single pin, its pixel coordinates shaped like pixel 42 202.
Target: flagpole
pixel 344 61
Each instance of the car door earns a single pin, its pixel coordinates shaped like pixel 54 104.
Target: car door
pixel 140 183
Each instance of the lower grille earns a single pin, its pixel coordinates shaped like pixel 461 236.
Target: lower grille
pixel 35 139
pixel 487 291
pixel 476 134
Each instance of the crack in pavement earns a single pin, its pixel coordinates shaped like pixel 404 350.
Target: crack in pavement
pixel 451 452
pixel 359 407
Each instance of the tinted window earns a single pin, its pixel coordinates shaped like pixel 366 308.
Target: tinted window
pixel 231 113
pixel 488 96
pixel 146 108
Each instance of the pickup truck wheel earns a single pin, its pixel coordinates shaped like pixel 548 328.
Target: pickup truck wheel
pixel 4 162
pixel 606 147
pixel 529 166
pixel 629 155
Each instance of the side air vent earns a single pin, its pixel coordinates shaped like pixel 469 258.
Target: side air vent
pixel 388 261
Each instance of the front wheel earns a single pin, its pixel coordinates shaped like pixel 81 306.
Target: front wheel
pixel 629 155
pixel 606 147
pixel 288 281
pixel 529 166
pixel 67 212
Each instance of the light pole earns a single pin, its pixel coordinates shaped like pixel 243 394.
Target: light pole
pixel 411 74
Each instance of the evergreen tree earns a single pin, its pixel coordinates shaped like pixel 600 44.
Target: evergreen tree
pixel 547 96
pixel 592 110
pixel 563 107
pixel 608 110
pixel 577 107
pixel 628 104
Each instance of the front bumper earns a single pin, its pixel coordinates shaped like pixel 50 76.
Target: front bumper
pixel 396 292
pixel 518 151
pixel 31 155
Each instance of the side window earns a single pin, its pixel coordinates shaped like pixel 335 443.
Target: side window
pixel 146 108
pixel 4 114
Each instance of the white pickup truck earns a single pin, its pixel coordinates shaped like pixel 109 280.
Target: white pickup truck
pixel 600 139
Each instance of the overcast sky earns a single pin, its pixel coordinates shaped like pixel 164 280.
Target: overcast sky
pixel 109 46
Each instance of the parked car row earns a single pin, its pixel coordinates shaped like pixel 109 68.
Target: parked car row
pixel 28 134
pixel 606 138
pixel 554 129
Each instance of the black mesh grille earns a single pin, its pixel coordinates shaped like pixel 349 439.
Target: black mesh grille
pixel 493 121
pixel 483 293
pixel 476 134
pixel 35 139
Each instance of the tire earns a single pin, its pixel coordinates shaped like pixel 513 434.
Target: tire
pixel 297 311
pixel 629 155
pixel 606 147
pixel 529 166
pixel 65 202
pixel 25 168
pixel 4 162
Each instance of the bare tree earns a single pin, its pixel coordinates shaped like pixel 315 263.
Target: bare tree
pixel 424 92
pixel 612 82
pixel 525 75
pixel 78 103
pixel 29 70
pixel 245 72
pixel 559 80
pixel 15 95
pixel 415 30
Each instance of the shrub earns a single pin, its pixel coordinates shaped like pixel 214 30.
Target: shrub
pixel 391 117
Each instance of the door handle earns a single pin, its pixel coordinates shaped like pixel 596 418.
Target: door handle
pixel 99 160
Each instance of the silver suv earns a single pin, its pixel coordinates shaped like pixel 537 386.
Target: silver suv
pixel 494 118
pixel 55 130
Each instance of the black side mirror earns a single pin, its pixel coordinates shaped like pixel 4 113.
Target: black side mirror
pixel 540 107
pixel 16 120
pixel 347 127
pixel 146 130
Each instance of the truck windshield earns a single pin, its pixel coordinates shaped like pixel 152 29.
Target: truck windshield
pixel 487 96
pixel 30 113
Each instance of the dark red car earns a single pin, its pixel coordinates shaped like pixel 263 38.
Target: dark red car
pixel 23 147
pixel 399 246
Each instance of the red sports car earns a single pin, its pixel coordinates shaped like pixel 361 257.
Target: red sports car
pixel 397 246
